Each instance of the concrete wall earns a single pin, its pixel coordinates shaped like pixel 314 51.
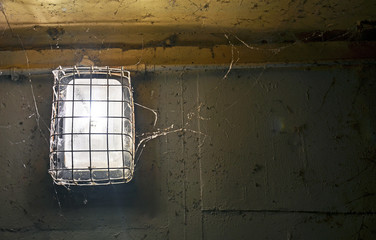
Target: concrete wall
pixel 274 152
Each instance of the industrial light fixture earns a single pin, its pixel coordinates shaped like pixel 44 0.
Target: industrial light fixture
pixel 92 126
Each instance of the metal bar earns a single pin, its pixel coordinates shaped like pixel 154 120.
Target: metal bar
pixel 94 100
pixel 91 82
pixel 93 133
pixel 56 122
pixel 95 116
pixel 74 81
pixel 122 120
pixel 108 113
pixel 100 150
pixel 85 169
pixel 133 121
pixel 85 84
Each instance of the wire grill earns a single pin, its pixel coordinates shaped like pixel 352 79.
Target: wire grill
pixel 92 126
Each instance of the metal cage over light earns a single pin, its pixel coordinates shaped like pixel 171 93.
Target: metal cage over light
pixel 92 126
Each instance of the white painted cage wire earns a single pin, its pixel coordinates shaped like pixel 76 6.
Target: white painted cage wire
pixel 92 126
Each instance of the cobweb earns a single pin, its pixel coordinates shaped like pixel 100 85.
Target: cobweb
pixel 36 114
pixel 145 137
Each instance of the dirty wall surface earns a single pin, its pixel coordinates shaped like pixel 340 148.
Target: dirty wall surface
pixel 263 153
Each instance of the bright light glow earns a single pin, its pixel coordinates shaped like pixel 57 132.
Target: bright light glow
pixel 97 117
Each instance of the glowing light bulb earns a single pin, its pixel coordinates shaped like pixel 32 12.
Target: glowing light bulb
pixel 90 116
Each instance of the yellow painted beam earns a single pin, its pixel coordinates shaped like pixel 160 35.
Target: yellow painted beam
pixel 188 55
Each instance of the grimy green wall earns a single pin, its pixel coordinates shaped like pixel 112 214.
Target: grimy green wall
pixel 284 151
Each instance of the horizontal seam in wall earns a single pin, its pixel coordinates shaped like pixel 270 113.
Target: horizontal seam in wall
pixel 241 211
